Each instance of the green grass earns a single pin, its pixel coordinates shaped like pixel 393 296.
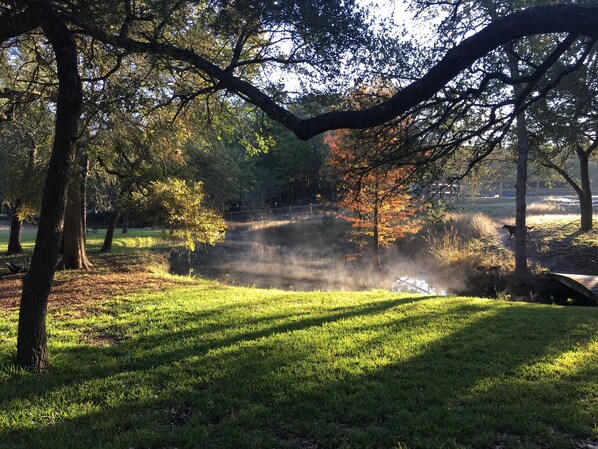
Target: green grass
pixel 198 364
pixel 136 244
pixel 134 238
pixel 493 207
pixel 202 365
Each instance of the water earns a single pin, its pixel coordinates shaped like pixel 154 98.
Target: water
pixel 408 284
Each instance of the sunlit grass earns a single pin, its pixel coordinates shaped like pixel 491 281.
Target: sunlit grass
pixel 134 238
pixel 203 365
pixel 504 208
pixel 198 364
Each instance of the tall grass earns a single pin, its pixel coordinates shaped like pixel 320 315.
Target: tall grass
pixel 544 207
pixel 469 241
pixel 473 226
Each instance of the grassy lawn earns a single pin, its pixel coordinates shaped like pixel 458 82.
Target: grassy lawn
pixel 201 365
pixel 559 244
pixel 144 359
pixel 134 238
pixel 503 209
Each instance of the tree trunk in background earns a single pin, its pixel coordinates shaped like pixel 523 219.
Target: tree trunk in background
pixel 16 228
pixel 107 246
pixel 582 188
pixel 125 228
pixel 74 256
pixel 585 203
pixel 521 268
pixel 16 224
pixel 377 261
pixel 83 193
pixel 32 351
pixel 585 192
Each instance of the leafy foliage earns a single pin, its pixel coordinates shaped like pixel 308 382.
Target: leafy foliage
pixel 373 192
pixel 24 144
pixel 374 201
pixel 178 206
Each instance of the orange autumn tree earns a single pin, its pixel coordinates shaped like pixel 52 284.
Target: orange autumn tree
pixel 372 191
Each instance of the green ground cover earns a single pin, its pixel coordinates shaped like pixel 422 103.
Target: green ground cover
pixel 161 361
pixel 202 365
pixel 134 238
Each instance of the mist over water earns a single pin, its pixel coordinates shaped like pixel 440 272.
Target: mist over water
pixel 303 255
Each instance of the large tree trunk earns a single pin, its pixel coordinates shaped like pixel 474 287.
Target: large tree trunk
pixel 521 268
pixel 32 352
pixel 585 191
pixel 16 229
pixel 74 256
pixel 107 246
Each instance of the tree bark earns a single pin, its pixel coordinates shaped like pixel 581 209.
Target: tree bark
pixel 585 192
pixel 107 246
pixel 74 256
pixel 125 227
pixel 521 268
pixel 32 351
pixel 377 261
pixel 16 229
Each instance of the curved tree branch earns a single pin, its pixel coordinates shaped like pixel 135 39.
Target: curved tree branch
pixel 582 20
pixel 15 24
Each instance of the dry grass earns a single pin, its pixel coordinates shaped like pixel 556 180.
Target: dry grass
pixel 473 226
pixel 557 244
pixel 469 255
pixel 545 207
pixel 553 220
pixel 451 248
pixel 113 274
pixel 468 240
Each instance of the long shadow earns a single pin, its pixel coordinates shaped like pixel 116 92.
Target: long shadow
pixel 558 255
pixel 148 351
pixel 472 385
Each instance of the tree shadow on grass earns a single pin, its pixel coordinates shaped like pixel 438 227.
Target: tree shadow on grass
pixel 85 362
pixel 557 251
pixel 446 373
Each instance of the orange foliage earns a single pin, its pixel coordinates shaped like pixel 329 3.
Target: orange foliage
pixel 376 203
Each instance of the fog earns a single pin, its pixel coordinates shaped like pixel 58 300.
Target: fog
pixel 308 255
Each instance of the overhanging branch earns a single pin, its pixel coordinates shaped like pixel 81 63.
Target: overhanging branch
pixel 582 20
